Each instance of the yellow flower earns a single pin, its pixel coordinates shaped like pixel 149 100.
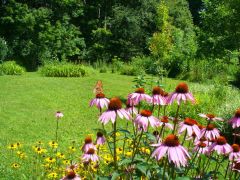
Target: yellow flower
pixel 52 175
pixel 18 144
pixel 66 162
pixel 40 150
pixel 119 150
pixel 107 159
pixel 145 150
pixel 46 165
pixel 148 151
pixel 53 144
pixel 118 134
pixel 60 155
pixel 129 153
pixel 21 155
pixel 39 143
pixel 50 160
pixel 12 146
pixel 72 148
pixel 15 166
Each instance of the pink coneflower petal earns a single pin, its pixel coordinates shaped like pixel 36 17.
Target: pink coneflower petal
pixel 221 146
pixel 175 152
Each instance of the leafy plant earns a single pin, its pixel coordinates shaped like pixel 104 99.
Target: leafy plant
pixel 11 68
pixel 66 70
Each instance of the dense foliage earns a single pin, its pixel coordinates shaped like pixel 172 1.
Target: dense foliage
pixel 174 34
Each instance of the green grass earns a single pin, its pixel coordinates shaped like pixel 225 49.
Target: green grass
pixel 28 104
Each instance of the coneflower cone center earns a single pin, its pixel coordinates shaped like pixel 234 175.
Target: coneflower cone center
pixel 237 166
pixel 221 140
pixel 100 95
pixel 235 147
pixel 237 114
pixel 99 134
pixel 146 113
pixel 88 140
pixel 171 141
pixel 165 94
pixel 91 151
pixel 157 91
pixel 115 104
pixel 203 139
pixel 164 119
pixel 140 90
pixel 182 88
pixel 190 122
pixel 210 127
pixel 210 116
pixel 71 175
pixel 202 145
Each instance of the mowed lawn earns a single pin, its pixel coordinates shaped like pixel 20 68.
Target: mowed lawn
pixel 28 104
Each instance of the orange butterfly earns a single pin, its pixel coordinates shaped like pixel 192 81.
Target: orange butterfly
pixel 98 87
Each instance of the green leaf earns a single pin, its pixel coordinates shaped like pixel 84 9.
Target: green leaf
pixel 115 175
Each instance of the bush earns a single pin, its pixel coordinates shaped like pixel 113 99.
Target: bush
pixel 66 70
pixel 11 68
pixel 128 69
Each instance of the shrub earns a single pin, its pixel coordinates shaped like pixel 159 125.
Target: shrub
pixel 11 68
pixel 130 70
pixel 66 70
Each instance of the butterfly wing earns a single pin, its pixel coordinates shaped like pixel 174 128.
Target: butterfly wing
pixel 98 87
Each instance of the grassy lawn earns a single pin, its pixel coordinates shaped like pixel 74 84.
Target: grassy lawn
pixel 28 104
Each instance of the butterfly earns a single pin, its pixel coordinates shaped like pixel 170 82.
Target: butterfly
pixel 98 87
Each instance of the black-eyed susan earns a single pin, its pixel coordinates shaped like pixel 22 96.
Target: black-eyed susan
pixel 18 144
pixel 60 155
pixel 15 165
pixel 72 148
pixel 66 162
pixel 12 146
pixel 129 153
pixel 21 155
pixel 52 175
pixel 119 150
pixel 50 160
pixel 40 150
pixel 39 143
pixel 53 144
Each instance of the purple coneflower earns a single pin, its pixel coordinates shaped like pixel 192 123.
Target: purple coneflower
pixel 59 114
pixel 137 96
pixel 130 109
pixel 144 118
pixel 202 139
pixel 72 167
pixel 100 101
pixel 71 176
pixel 88 144
pixel 114 109
pixel 175 152
pixel 190 125
pixel 210 132
pixel 235 121
pixel 181 94
pixel 157 96
pixel 201 148
pixel 165 122
pixel 210 117
pixel 235 154
pixel 221 146
pixel 100 138
pixel 90 156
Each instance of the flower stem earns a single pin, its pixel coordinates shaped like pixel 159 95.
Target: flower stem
pixel 164 169
pixel 114 145
pixel 176 119
pixel 227 169
pixel 124 142
pixel 159 107
pixel 184 137
pixel 136 147
pixel 107 142
pixel 57 132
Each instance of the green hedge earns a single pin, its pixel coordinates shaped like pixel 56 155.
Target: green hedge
pixel 66 70
pixel 11 68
